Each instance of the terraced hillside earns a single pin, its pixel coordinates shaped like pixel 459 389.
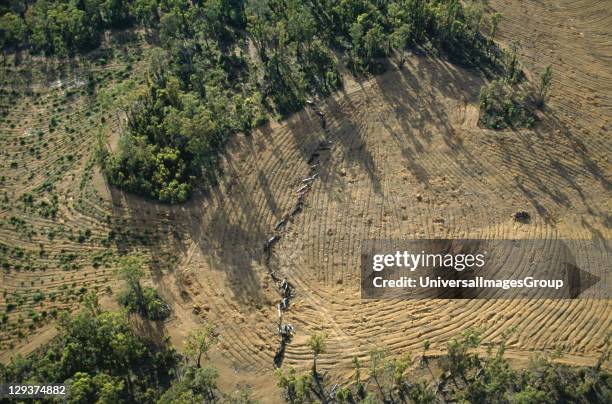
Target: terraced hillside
pixel 56 230
pixel 398 156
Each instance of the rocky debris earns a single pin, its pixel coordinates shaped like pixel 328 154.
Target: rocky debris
pixel 285 331
pixel 271 241
pixel 311 178
pixel 281 223
pixel 313 157
pixel 522 216
pixel 325 145
pixel 287 291
pixel 296 210
pixel 303 188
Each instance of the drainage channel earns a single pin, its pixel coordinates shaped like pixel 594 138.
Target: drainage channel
pixel 286 290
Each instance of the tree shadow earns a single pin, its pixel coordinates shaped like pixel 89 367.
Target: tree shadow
pixel 351 137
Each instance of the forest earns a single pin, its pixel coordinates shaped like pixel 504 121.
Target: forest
pixel 222 67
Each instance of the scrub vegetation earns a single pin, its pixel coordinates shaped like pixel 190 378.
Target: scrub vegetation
pixel 460 375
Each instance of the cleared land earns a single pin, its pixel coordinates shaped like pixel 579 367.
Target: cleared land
pixel 407 161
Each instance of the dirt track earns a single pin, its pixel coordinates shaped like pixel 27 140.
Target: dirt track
pixel 407 161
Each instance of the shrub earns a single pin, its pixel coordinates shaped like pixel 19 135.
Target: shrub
pixel 544 86
pixel 136 298
pixel 503 107
pixel 149 305
pixel 38 297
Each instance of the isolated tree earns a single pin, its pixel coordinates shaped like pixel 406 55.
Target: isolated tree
pixel 378 364
pixel 317 345
pixel 425 357
pixel 130 270
pixel 137 298
pixel 544 85
pixel 199 342
pixel 494 23
pixel 296 387
pixel 358 384
pixel 513 69
pixel 399 367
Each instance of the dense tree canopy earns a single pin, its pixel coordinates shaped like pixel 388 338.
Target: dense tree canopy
pixel 101 357
pixel 62 27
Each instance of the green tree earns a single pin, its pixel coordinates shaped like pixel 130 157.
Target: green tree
pixel 130 270
pixel 143 300
pixel 12 31
pixel 81 388
pixel 400 39
pixel 296 387
pixel 544 85
pixel 115 13
pixel 199 342
pixel 146 12
pixel 317 346
pixel 494 23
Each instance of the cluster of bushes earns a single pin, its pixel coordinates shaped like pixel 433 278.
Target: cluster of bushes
pixel 102 359
pixel 137 298
pixel 509 102
pixel 502 106
pixel 465 376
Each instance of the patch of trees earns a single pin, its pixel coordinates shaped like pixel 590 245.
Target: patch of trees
pixel 137 298
pixel 198 381
pixel 200 89
pixel 461 375
pixel 102 359
pixel 502 106
pixel 62 27
pixel 510 102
